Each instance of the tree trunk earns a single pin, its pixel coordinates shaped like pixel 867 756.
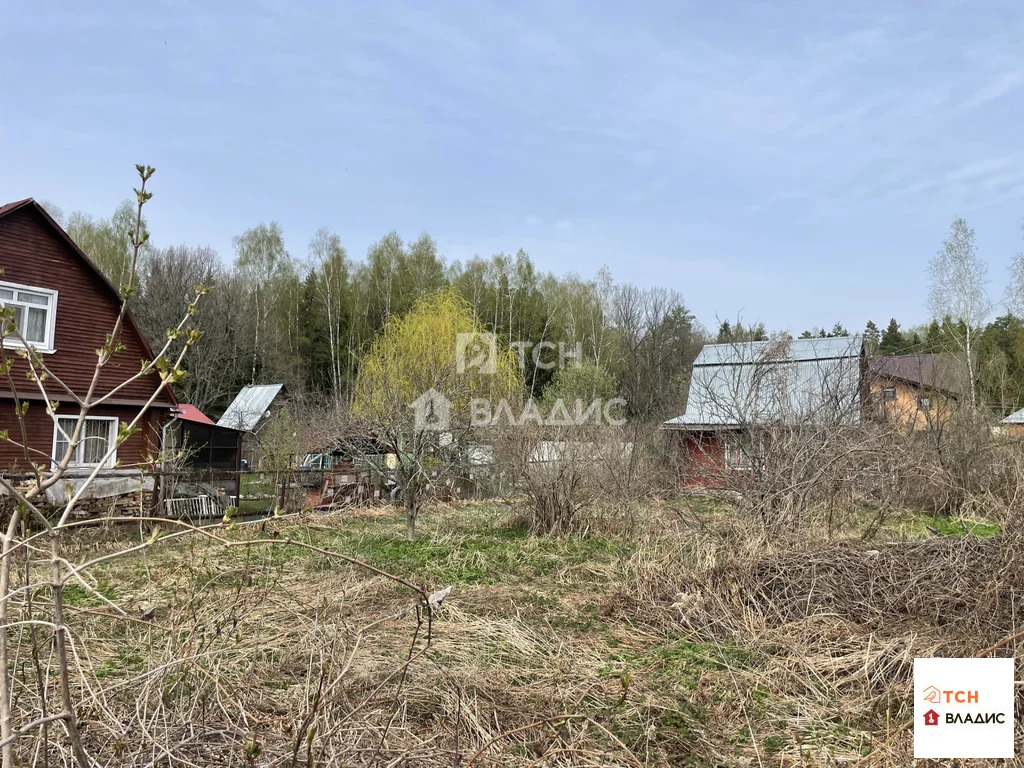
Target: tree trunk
pixel 410 513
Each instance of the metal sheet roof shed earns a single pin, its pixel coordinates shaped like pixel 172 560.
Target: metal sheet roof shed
pixel 1017 417
pixel 250 406
pixel 787 380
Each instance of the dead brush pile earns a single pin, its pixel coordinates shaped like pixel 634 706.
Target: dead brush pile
pixel 836 628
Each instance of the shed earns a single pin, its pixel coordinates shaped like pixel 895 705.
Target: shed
pixel 211 452
pixel 1015 424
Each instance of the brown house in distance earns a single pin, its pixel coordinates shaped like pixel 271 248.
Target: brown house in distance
pixel 65 307
pixel 920 391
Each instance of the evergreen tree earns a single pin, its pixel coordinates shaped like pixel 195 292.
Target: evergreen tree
pixel 933 340
pixel 892 342
pixel 872 336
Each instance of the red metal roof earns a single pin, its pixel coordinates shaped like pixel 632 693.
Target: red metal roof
pixel 191 413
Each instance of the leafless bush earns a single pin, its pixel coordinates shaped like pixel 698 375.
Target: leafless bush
pixel 554 477
pixel 563 479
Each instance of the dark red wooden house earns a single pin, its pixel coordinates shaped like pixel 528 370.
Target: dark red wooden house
pixel 65 307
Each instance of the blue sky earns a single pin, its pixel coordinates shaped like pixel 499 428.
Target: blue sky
pixel 796 162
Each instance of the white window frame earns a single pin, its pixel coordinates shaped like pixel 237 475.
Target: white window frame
pixel 51 317
pixel 886 392
pixel 112 431
pixel 734 455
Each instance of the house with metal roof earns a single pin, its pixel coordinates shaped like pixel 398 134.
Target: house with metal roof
pixel 743 386
pixel 1015 424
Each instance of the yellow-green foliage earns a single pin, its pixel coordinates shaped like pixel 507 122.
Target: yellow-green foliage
pixel 417 352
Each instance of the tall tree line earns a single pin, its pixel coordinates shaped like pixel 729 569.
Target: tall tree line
pixel 307 320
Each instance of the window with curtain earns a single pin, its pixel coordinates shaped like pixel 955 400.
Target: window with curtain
pixel 33 311
pixel 97 436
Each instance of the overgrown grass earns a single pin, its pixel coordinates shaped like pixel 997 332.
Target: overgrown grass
pixel 471 551
pixel 535 627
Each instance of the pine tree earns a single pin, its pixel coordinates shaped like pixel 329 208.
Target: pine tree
pixel 871 337
pixel 892 342
pixel 933 337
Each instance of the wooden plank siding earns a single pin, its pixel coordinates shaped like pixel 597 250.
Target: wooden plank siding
pixel 35 252
pixel 139 449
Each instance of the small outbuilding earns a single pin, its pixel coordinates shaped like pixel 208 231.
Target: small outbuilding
pixel 249 413
pixel 209 452
pixel 1015 424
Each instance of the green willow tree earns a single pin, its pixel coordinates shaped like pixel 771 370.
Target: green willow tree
pixel 411 374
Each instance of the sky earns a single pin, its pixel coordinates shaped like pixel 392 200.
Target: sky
pixel 796 163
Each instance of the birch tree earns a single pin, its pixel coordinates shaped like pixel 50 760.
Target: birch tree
pixel 958 290
pixel 261 259
pixel 331 289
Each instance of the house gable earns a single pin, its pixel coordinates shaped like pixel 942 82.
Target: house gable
pixel 36 252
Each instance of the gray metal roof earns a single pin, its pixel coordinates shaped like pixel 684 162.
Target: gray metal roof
pixel 1017 417
pixel 784 380
pixel 249 406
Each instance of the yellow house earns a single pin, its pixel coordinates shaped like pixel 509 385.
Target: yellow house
pixel 919 391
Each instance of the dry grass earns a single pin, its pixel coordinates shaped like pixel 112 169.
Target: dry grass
pixel 682 639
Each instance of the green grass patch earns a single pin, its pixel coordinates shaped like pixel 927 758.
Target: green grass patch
pixel 471 559
pixel 679 662
pixel 473 545
pixel 946 525
pixel 77 596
